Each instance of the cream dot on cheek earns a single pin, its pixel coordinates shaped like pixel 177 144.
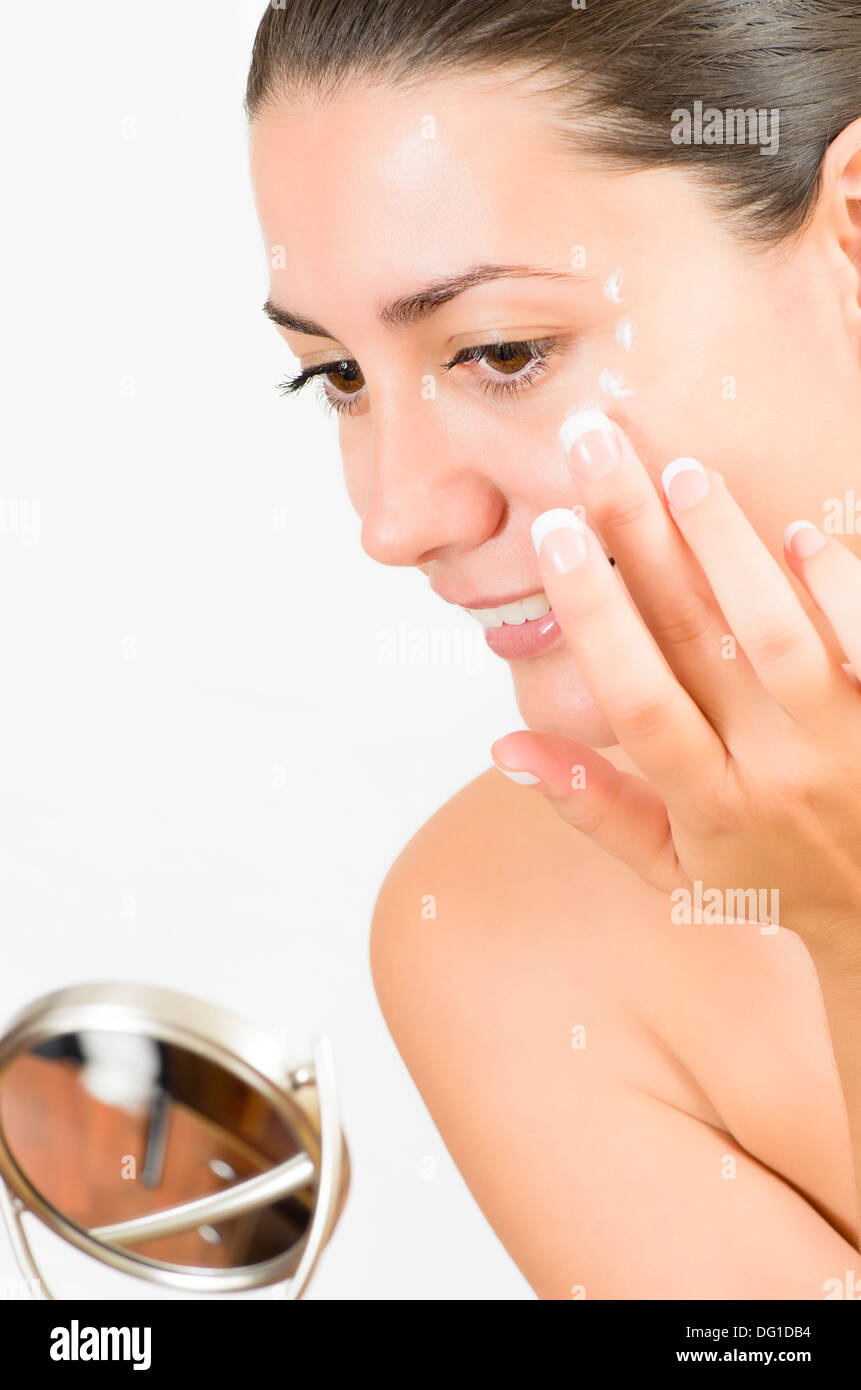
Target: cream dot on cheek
pixel 613 287
pixel 625 334
pixel 613 384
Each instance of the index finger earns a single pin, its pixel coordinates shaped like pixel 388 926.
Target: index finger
pixel 654 718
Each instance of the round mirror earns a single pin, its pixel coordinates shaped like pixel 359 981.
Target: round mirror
pixel 168 1139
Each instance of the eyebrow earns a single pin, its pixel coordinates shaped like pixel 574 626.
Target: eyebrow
pixel 412 308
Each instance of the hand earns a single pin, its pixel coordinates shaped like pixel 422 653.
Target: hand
pixel 746 728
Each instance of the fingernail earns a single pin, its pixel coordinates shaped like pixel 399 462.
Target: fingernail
pixel 562 535
pixel 523 779
pixel 589 440
pixel 802 539
pixel 685 482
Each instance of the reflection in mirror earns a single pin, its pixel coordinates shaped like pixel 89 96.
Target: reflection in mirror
pixel 110 1127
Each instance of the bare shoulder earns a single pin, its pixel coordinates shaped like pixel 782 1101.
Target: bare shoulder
pixel 497 918
pixel 492 881
pixel 489 849
pixel 531 985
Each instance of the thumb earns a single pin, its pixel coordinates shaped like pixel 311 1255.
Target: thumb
pixel 618 810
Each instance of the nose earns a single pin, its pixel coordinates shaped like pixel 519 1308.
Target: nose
pixel 427 492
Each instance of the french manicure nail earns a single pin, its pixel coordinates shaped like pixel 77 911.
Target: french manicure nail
pixel 802 539
pixel 589 440
pixel 563 535
pixel 685 482
pixel 523 779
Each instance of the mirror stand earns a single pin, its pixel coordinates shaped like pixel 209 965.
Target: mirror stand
pixel 94 1071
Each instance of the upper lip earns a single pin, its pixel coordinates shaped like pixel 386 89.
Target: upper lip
pixel 488 601
pixel 499 600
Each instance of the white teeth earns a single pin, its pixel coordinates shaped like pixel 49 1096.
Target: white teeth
pixel 512 614
pixel 488 617
pixel 536 605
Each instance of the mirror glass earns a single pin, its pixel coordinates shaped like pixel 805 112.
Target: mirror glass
pixel 111 1126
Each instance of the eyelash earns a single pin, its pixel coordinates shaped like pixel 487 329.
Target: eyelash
pixel 539 349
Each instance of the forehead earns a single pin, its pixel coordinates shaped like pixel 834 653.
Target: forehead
pixel 371 193
pixel 374 156
pixel 385 182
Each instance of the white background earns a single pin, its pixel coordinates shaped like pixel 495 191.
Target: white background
pixel 207 767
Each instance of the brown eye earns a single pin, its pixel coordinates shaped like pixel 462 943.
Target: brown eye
pixel 507 367
pixel 345 376
pixel 508 358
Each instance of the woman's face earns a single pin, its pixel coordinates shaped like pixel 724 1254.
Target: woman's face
pixel 643 303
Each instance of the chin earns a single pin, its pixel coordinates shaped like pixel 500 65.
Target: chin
pixel 552 698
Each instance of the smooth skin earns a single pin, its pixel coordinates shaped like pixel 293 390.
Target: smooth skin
pixel 642 1110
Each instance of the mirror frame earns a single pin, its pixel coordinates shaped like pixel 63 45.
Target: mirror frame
pixel 304 1097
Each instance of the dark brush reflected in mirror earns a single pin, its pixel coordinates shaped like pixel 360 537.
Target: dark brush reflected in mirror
pixel 110 1127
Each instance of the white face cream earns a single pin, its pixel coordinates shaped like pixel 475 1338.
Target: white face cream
pixel 613 287
pixel 625 334
pixel 613 384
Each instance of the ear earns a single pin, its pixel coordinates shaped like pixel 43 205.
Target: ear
pixel 841 194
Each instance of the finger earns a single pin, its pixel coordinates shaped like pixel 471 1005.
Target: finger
pixel 831 574
pixel 783 646
pixel 620 812
pixel 662 576
pixel 652 716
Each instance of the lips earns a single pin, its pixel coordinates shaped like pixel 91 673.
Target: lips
pixel 517 626
pixel 521 628
pixel 528 638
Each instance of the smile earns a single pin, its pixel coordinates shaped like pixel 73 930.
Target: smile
pixel 522 610
pixel 521 629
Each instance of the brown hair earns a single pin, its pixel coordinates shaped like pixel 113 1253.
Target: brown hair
pixel 617 70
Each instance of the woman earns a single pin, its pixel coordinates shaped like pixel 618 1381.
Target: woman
pixel 556 263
